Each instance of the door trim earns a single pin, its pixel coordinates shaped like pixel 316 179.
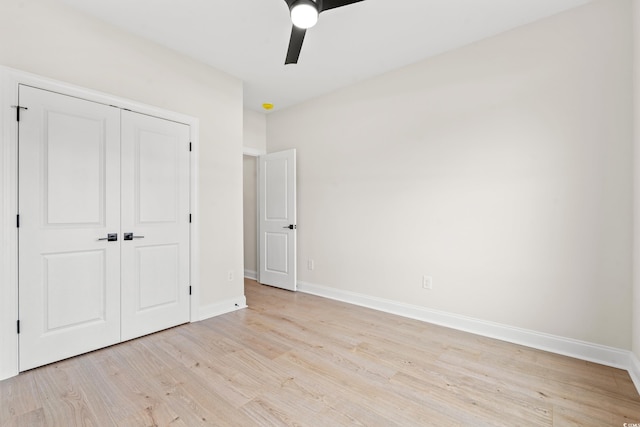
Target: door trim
pixel 9 81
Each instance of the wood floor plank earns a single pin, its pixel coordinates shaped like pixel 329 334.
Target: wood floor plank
pixel 64 398
pixel 293 359
pixel 376 397
pixel 197 403
pixel 116 385
pixel 35 418
pixel 19 396
pixel 154 416
pixel 550 388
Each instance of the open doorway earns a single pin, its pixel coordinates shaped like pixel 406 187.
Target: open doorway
pixel 270 229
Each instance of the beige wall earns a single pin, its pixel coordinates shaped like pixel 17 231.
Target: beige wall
pixel 255 142
pixel 250 216
pixel 46 38
pixel 636 162
pixel 255 130
pixel 501 169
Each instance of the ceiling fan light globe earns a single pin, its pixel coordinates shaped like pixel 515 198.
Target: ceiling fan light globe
pixel 304 14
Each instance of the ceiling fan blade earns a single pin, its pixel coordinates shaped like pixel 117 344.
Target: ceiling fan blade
pixel 332 4
pixel 295 45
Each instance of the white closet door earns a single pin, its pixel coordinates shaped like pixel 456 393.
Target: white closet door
pixel 69 186
pixel 155 211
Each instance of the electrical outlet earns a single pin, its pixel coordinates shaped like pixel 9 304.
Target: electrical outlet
pixel 230 276
pixel 427 282
pixel 309 264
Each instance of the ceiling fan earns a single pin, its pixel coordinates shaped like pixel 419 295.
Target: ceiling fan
pixel 304 15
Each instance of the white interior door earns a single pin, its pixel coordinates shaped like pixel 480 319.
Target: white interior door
pixel 155 224
pixel 69 187
pixel 277 219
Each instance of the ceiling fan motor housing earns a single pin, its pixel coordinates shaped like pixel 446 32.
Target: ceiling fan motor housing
pixel 315 3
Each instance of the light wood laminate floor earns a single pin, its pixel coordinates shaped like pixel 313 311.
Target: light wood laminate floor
pixel 296 359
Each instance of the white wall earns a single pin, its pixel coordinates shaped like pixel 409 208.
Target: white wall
pixel 636 161
pixel 49 39
pixel 255 131
pixel 502 169
pixel 250 216
pixel 255 143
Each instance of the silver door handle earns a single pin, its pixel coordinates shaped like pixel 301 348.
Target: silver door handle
pixel 130 236
pixel 291 227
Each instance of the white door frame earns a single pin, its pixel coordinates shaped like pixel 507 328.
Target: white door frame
pixel 9 81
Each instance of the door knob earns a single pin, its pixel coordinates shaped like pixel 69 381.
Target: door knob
pixel 130 236
pixel 111 237
pixel 291 227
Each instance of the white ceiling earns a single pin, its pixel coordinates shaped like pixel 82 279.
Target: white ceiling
pixel 249 38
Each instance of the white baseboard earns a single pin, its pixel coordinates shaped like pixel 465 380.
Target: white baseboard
pixel 609 356
pixel 223 307
pixel 250 274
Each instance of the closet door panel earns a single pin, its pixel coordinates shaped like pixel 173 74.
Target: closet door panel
pixel 69 199
pixel 155 215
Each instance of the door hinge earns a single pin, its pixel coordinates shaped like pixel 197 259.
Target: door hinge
pixel 18 325
pixel 18 221
pixel 189 290
pixel 18 108
pixel 189 146
pixel 189 218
